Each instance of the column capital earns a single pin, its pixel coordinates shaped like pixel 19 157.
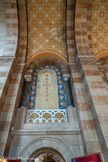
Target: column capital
pixel 66 77
pixel 28 78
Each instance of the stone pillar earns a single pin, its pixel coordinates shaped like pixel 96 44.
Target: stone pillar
pixel 28 78
pixel 97 95
pixel 68 93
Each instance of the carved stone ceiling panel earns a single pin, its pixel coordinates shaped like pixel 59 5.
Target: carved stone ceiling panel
pixel 46 26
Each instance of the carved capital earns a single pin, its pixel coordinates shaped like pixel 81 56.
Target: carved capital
pixel 66 77
pixel 28 78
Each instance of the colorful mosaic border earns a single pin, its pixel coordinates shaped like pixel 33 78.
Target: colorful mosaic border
pixel 106 75
pixel 47 116
pixel 60 84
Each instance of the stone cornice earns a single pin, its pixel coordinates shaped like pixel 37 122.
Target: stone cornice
pixel 53 132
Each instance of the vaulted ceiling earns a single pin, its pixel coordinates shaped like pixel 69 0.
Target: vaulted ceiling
pixel 99 26
pixel 51 29
pixel 46 28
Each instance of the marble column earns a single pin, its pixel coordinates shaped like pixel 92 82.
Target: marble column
pixel 68 92
pixel 27 79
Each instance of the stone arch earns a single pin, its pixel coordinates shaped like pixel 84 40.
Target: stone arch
pixel 46 151
pixel 46 142
pixel 102 54
pixel 48 54
pixel 46 61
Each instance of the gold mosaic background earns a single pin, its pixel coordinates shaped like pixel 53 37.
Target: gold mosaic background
pixel 47 90
pixel 46 26
pixel 100 25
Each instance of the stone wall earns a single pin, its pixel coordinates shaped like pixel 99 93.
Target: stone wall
pixel 8 43
pixel 83 16
pixel 86 122
pixel 97 96
pixel 64 137
pixel 86 134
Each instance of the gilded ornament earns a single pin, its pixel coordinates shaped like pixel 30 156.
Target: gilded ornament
pixel 96 7
pixel 33 8
pixel 52 1
pixel 103 1
pixel 101 14
pixel 100 27
pixel 95 21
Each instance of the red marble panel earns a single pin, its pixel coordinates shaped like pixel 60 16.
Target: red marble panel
pixel 71 45
pixel 9 5
pixel 89 17
pixel 3 74
pixel 92 146
pixel 78 32
pixel 12 25
pixel 11 16
pixel 100 99
pixel 12 33
pixel 69 18
pixel 77 80
pixel 4 125
pixel 80 48
pixel 12 93
pixel 8 108
pixel 89 6
pixel 70 37
pixel 92 72
pixel 1 85
pixel 22 46
pixel 88 124
pixel 78 15
pixel 77 24
pixel 22 8
pixel 83 107
pixel 79 41
pixel 90 45
pixel 89 37
pixel 84 33
pixel 103 118
pixel 70 28
pixel 81 5
pixel 10 42
pixel 70 7
pixel 9 49
pixel 2 147
pixel 86 48
pixel 105 98
pixel 97 85
pixel 23 38
pixel 84 24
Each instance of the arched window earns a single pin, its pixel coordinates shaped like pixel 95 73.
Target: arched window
pixel 47 101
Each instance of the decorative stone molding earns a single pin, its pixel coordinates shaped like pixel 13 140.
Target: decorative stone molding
pixel 102 54
pixel 43 54
pixel 22 132
pixel 46 142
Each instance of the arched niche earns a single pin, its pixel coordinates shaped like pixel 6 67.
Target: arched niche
pixel 43 144
pixel 46 100
pixel 42 152
pixel 46 61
